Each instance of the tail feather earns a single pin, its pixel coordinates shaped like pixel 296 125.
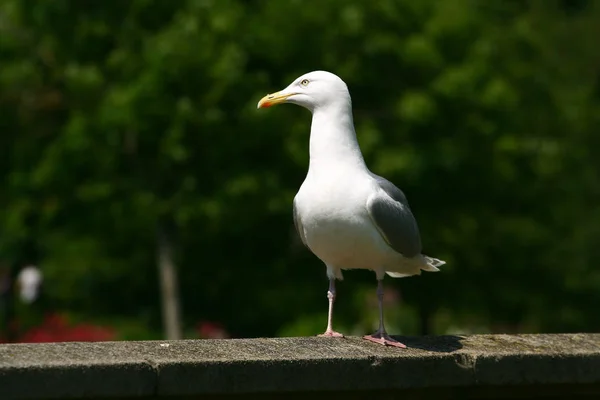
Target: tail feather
pixel 400 274
pixel 432 264
pixel 426 264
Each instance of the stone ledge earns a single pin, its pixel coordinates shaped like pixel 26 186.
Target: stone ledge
pixel 284 366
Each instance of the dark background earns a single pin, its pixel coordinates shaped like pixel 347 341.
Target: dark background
pixel 123 120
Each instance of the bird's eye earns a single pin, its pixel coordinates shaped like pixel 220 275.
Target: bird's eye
pixel 304 82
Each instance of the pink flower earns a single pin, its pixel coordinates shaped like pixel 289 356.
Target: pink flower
pixel 55 328
pixel 211 330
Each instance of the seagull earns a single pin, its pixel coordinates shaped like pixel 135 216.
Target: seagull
pixel 347 216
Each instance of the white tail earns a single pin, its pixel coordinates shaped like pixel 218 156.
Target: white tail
pixel 432 264
pixel 426 264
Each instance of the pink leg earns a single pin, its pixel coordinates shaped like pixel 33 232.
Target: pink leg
pixel 381 335
pixel 329 332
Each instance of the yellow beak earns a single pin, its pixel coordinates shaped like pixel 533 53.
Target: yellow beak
pixel 273 99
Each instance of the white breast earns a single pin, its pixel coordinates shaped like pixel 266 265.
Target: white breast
pixel 337 226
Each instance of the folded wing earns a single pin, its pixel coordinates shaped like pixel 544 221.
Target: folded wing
pixel 391 214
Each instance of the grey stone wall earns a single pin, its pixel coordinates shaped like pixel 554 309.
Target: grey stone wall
pixel 443 367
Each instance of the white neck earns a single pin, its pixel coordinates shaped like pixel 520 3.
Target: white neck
pixel 333 139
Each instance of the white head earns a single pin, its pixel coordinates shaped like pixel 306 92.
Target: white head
pixel 312 90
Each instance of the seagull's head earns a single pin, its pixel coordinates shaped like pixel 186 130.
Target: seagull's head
pixel 312 90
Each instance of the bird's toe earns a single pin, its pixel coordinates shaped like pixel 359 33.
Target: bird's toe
pixel 384 339
pixel 331 334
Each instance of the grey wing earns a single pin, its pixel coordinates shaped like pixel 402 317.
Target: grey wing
pixel 394 219
pixel 298 224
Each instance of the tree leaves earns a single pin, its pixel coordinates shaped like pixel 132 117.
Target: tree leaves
pixel 116 115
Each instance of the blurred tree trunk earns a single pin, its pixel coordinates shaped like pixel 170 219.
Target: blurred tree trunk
pixel 425 313
pixel 7 309
pixel 169 286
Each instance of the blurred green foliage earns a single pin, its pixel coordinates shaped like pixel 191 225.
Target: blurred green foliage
pixel 117 115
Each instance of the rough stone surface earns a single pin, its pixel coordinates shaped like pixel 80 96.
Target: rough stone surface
pixel 291 365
